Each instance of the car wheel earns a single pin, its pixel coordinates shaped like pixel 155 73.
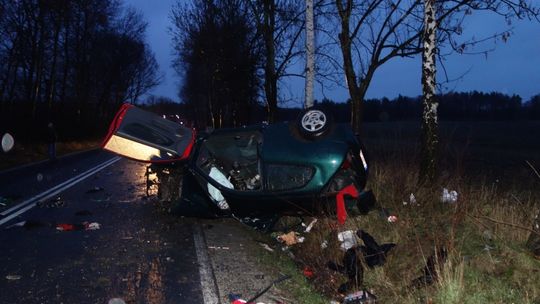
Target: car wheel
pixel 314 122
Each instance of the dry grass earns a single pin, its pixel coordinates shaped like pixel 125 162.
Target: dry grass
pixel 484 233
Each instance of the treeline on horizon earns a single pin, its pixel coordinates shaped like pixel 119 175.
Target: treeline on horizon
pixel 72 63
pixel 462 106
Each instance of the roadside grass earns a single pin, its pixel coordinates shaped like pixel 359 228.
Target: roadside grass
pixel 484 233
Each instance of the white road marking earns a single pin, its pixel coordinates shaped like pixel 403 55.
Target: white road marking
pixel 31 202
pixel 208 283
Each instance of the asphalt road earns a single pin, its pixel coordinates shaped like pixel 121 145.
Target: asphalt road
pixel 139 253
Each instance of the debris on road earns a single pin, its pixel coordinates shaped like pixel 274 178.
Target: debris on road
pixel 4 201
pixel 219 247
pixel 74 227
pixel 95 190
pixel 101 200
pixel 53 203
pixel 13 277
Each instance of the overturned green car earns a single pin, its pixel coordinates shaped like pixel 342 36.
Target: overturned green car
pixel 306 167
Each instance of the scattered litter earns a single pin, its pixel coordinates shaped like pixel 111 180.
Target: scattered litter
pixel 450 197
pixel 290 238
pixel 347 239
pixel 308 272
pixel 392 219
pixel 116 301
pixel 351 267
pixel 219 247
pixel 4 201
pixel 362 296
pixel 374 254
pixel 94 190
pixel 74 227
pixel 53 203
pixel 430 271
pixel 412 199
pixel 7 142
pixel 310 226
pixel 126 201
pixel 13 277
pixel 101 200
pixel 83 213
pixel 268 248
pixel 264 290
pixel 324 244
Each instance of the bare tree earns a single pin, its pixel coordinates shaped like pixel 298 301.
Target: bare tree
pixel 280 24
pixel 55 61
pixel 217 54
pixel 373 32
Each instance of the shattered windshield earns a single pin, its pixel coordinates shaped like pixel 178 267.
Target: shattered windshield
pixel 235 156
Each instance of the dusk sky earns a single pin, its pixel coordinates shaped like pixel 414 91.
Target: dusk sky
pixel 512 68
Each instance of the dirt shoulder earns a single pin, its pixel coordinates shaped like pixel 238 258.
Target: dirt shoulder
pixel 243 267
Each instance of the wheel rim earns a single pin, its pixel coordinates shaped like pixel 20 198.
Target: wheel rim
pixel 313 121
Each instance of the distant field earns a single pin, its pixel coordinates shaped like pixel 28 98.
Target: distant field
pixel 496 150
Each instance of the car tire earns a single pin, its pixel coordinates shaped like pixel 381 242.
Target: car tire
pixel 314 123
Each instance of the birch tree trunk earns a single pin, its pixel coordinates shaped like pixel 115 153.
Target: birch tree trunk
pixel 310 54
pixel 430 138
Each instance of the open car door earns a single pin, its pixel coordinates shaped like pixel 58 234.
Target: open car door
pixel 148 137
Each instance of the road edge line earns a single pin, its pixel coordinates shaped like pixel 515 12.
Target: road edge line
pixel 40 196
pixel 30 203
pixel 208 282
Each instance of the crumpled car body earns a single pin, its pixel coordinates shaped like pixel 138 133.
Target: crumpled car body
pixel 252 171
